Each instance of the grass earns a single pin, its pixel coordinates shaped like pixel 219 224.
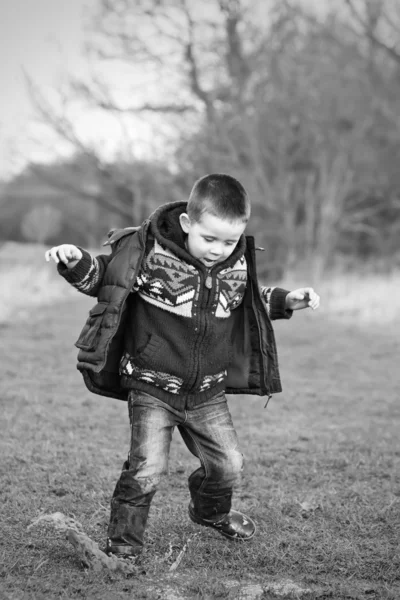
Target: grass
pixel 358 295
pixel 322 476
pixel 27 281
pixel 365 297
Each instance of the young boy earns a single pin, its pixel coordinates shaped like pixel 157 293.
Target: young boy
pixel 180 321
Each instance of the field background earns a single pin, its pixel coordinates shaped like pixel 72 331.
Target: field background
pixel 321 480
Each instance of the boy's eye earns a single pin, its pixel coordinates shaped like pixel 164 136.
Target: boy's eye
pixel 209 239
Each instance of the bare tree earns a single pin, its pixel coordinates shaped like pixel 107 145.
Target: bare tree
pixel 267 91
pixel 41 222
pixel 378 21
pixel 108 193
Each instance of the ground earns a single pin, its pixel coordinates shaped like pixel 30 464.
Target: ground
pixel 321 480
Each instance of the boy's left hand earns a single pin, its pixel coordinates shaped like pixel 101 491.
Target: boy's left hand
pixel 302 298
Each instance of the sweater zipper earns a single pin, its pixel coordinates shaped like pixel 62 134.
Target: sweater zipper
pixel 206 286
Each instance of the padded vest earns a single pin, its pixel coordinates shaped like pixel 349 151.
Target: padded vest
pixel 254 366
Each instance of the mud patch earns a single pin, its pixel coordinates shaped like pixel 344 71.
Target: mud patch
pixel 88 551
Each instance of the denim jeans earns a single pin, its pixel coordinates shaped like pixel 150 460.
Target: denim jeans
pixel 207 431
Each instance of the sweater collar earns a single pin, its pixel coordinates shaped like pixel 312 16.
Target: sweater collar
pixel 166 228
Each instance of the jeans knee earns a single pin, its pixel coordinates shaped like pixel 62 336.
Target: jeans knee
pixel 231 466
pixel 148 485
pixel 135 490
pixel 237 463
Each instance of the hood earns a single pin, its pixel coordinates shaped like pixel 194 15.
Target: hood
pixel 166 228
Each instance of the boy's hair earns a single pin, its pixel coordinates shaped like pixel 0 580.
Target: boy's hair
pixel 221 195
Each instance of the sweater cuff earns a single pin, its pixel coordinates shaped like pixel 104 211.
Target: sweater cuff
pixel 80 270
pixel 277 304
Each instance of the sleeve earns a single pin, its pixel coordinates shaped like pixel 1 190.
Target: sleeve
pixel 274 298
pixel 87 274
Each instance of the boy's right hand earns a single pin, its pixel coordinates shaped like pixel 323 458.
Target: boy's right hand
pixel 66 253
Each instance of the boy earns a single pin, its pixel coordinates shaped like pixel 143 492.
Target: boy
pixel 180 321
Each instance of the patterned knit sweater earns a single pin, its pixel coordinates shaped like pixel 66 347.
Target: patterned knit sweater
pixel 177 339
pixel 177 344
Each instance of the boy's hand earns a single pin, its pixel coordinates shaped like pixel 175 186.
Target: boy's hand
pixel 66 253
pixel 302 298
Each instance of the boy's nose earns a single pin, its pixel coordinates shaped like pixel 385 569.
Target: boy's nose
pixel 216 251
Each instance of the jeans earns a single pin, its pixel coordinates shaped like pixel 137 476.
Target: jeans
pixel 207 431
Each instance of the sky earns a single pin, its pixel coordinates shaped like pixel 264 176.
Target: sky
pixel 42 38
pixel 45 39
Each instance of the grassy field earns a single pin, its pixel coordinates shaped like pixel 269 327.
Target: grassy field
pixel 322 477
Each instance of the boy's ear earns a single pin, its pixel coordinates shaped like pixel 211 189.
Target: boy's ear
pixel 185 222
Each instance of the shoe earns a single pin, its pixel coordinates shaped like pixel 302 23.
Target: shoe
pixel 235 525
pixel 122 551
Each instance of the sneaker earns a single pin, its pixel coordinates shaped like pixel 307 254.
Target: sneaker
pixel 122 551
pixel 235 525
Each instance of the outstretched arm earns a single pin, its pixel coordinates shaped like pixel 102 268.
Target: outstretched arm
pixel 302 298
pixel 68 254
pixel 275 300
pixel 281 303
pixel 78 267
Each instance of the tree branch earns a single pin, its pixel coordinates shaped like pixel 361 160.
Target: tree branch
pixel 116 201
pixel 370 33
pixel 193 67
pixel 237 64
pixel 160 108
pixel 62 184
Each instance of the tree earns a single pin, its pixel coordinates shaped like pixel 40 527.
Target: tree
pixel 62 185
pixel 378 23
pixel 41 223
pixel 268 91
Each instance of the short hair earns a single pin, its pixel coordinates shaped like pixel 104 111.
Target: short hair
pixel 220 195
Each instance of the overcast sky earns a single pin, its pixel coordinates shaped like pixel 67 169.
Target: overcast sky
pixel 43 37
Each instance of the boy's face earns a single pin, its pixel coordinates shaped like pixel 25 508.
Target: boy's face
pixel 212 239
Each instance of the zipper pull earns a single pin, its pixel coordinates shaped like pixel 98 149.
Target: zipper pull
pixel 268 399
pixel 208 282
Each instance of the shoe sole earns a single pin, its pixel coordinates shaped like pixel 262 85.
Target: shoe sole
pixel 212 526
